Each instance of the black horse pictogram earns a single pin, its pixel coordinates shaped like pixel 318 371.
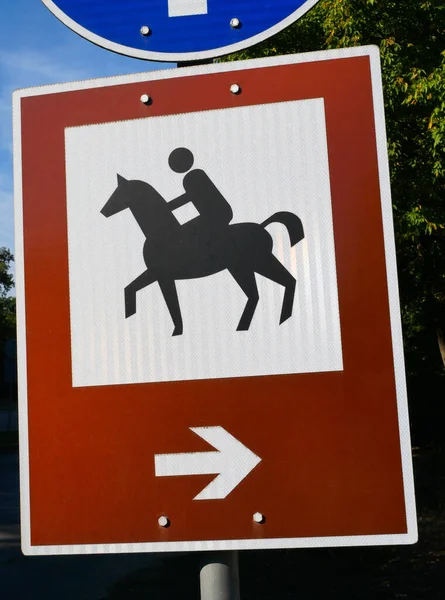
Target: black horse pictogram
pixel 203 246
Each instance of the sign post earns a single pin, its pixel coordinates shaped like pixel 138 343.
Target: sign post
pixel 219 577
pixel 177 30
pixel 222 370
pixel 207 257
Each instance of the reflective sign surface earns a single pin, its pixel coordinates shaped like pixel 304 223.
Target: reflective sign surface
pixel 175 30
pixel 154 390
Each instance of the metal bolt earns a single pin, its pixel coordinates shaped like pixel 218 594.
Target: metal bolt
pixel 145 30
pixel 235 88
pixel 145 99
pixel 164 521
pixel 235 23
pixel 259 517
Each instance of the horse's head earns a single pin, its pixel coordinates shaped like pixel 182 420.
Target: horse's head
pixel 148 207
pixel 119 199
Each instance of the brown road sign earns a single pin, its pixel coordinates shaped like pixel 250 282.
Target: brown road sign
pixel 210 351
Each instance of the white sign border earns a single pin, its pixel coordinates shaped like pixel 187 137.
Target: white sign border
pixel 394 305
pixel 176 56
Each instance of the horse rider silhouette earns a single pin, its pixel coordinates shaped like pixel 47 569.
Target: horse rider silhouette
pixel 203 246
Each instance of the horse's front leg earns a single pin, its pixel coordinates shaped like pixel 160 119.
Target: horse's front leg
pixel 131 290
pixel 168 289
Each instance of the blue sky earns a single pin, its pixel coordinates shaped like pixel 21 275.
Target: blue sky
pixel 37 49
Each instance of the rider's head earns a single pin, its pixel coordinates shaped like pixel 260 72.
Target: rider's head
pixel 181 160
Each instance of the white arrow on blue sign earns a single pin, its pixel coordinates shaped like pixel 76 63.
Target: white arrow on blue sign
pixel 177 30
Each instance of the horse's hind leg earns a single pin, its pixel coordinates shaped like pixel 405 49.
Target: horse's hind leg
pixel 274 270
pixel 146 278
pixel 168 289
pixel 247 283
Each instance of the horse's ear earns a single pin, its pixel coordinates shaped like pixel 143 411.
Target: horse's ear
pixel 121 180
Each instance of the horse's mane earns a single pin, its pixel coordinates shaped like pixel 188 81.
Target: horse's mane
pixel 149 189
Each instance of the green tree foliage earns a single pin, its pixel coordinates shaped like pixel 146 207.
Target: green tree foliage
pixel 411 38
pixel 7 303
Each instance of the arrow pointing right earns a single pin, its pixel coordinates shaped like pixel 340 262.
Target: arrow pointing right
pixel 232 462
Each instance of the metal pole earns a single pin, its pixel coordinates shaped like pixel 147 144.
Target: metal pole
pixel 193 63
pixel 219 576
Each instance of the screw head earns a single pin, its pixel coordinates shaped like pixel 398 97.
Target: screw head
pixel 164 521
pixel 235 23
pixel 235 88
pixel 259 517
pixel 145 99
pixel 145 30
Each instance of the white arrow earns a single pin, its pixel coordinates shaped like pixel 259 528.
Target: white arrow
pixel 232 463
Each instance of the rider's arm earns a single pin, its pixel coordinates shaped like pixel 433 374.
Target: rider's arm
pixel 178 202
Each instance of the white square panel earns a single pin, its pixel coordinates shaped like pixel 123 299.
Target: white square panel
pixel 263 159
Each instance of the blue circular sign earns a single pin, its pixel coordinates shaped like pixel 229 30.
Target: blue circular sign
pixel 177 30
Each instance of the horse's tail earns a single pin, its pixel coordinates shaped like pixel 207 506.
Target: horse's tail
pixel 292 223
